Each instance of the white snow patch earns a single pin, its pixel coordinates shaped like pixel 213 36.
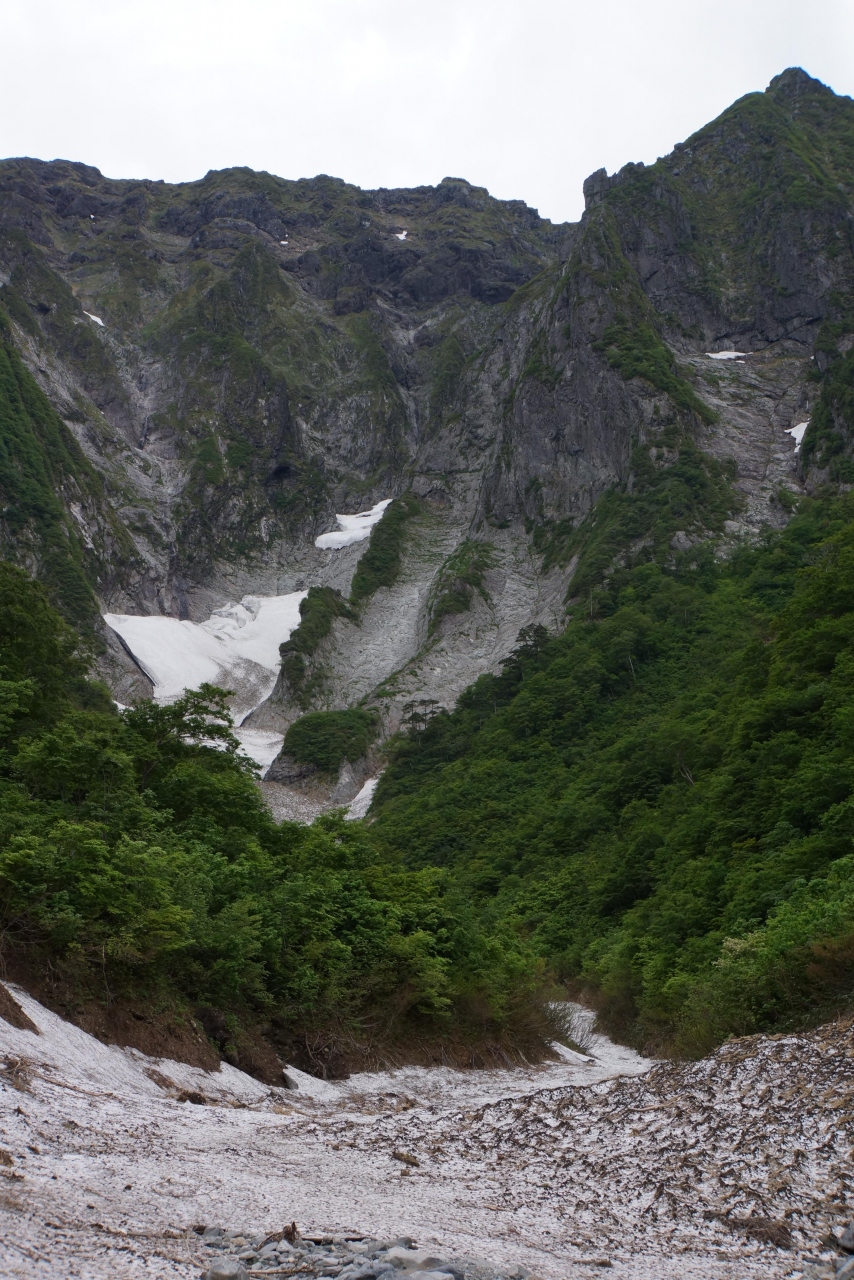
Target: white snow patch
pixel 97 319
pixel 237 648
pixel 726 355
pixel 361 803
pixel 401 235
pixel 353 528
pixel 797 433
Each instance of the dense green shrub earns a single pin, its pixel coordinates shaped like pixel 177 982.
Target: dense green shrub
pixel 449 361
pixel 327 738
pixel 38 459
pixel 380 564
pixel 318 611
pixel 635 350
pixel 829 439
pixel 673 487
pixel 460 576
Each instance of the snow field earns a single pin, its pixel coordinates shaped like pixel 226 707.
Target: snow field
pixel 237 648
pixel 353 528
pixel 725 1169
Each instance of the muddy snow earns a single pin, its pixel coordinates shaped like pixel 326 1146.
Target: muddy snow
pixel 731 1167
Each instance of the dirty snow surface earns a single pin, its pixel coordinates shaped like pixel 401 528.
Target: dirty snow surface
pixel 353 528
pixel 237 648
pixel 735 1166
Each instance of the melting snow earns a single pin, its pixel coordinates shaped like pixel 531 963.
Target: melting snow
pixel 656 1170
pixel 237 648
pixel 797 433
pixel 361 803
pixel 97 319
pixel 726 355
pixel 401 235
pixel 353 528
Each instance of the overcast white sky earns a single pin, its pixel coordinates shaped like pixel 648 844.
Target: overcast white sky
pixel 525 97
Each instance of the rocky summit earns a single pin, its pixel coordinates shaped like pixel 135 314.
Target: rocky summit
pixel 201 377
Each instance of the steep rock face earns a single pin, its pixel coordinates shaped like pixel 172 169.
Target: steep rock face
pixel 229 362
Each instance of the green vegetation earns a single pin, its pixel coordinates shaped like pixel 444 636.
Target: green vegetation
pixel 39 460
pixel 317 611
pixel 539 364
pixel 380 565
pixel 460 576
pixel 660 800
pixel 138 861
pixel 673 487
pixel 636 351
pixel 829 439
pixel 449 360
pixel 327 738
pixel 376 372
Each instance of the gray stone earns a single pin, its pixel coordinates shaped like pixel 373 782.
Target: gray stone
pixel 412 1259
pixel 226 1269
pixel 366 1270
pixel 846 1271
pixel 846 1240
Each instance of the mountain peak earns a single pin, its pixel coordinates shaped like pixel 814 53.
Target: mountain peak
pixel 795 83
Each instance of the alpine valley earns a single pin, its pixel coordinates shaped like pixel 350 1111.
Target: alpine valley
pixel 548 528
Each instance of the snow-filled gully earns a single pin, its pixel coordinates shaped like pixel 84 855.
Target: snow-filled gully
pixel 734 1166
pixel 236 648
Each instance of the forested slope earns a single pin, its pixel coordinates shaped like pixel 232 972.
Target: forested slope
pixel 660 799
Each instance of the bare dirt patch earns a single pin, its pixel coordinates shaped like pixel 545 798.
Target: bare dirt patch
pixel 12 1012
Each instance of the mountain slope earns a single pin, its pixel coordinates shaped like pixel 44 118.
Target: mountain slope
pixel 241 357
